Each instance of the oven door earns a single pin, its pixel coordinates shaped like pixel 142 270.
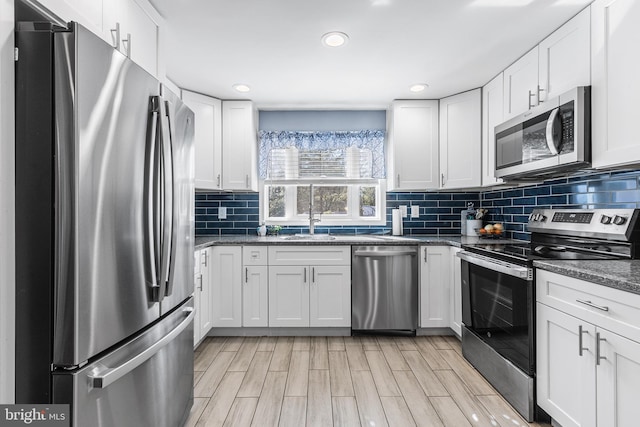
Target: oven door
pixel 498 307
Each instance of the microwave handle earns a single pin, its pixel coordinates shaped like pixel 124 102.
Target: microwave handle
pixel 554 132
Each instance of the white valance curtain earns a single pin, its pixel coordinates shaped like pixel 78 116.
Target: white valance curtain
pixel 298 155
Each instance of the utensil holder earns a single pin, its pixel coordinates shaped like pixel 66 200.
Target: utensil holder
pixel 473 225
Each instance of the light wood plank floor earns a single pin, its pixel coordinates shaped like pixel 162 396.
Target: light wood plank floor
pixel 343 381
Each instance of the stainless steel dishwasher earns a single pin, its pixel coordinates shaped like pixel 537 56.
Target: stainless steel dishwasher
pixel 384 288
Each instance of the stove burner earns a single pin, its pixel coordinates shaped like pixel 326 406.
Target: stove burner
pixel 542 250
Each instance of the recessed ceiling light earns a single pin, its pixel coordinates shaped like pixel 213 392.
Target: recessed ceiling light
pixel 241 87
pixel 335 39
pixel 418 87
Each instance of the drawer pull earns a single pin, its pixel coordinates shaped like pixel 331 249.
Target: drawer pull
pixel 590 304
pixel 580 347
pixel 598 341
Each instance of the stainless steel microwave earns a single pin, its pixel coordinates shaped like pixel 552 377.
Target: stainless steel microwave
pixel 550 139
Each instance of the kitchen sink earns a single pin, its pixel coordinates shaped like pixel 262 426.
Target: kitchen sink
pixel 309 237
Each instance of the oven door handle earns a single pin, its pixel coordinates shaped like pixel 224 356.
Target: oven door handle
pixel 514 270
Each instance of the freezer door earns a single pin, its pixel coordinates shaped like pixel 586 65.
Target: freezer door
pixel 146 382
pixel 179 124
pixel 103 130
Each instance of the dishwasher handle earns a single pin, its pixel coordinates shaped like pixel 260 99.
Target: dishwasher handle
pixel 383 253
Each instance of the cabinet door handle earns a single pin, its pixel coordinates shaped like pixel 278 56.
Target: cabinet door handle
pixel 206 258
pixel 598 341
pixel 305 275
pixel 246 275
pixel 200 282
pixel 313 275
pixel 425 254
pixel 590 304
pixel 115 35
pixel 247 180
pixel 127 45
pixel 218 180
pixel 540 91
pixel 531 95
pixel 580 347
pixel 442 180
pixel 398 181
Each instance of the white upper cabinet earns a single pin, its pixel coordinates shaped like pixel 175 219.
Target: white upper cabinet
pixel 521 85
pixel 85 12
pixel 460 140
pixel 140 33
pixel 413 146
pixel 615 91
pixel 565 57
pixel 239 146
pixel 492 116
pixel 559 63
pixel 208 139
pixel 132 26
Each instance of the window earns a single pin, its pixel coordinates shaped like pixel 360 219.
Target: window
pixel 338 174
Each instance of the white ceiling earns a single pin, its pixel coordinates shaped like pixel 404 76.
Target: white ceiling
pixel 274 47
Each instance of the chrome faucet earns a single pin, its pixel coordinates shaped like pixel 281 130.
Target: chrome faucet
pixel 312 220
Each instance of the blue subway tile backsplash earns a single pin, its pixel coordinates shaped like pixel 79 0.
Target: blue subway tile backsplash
pixel 440 212
pixel 587 191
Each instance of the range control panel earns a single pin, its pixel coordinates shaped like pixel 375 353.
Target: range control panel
pixel 616 224
pixel 573 217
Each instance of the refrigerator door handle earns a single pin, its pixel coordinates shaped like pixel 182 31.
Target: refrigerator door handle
pixel 104 376
pixel 151 199
pixel 168 199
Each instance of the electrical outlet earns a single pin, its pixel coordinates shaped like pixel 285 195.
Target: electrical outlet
pixel 403 211
pixel 415 211
pixel 222 212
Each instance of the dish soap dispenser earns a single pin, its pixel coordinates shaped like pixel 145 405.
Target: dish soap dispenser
pixel 262 230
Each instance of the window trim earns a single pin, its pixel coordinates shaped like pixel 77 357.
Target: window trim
pixel 327 220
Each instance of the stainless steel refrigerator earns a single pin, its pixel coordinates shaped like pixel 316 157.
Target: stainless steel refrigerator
pixel 104 233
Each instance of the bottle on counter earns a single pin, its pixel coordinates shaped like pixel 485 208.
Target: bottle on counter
pixel 262 230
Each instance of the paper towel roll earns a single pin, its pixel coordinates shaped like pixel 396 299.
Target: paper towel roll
pixel 396 222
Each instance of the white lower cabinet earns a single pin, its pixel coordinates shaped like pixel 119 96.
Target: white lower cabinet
pixel 330 296
pixel 288 296
pixel 255 300
pixel 255 292
pixel 303 294
pixel 226 286
pixel 455 293
pixel 588 353
pixel 566 379
pixel 202 294
pixel 435 277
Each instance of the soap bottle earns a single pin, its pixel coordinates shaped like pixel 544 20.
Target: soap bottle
pixel 262 230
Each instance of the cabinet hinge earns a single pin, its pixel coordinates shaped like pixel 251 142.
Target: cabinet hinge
pixel 15 54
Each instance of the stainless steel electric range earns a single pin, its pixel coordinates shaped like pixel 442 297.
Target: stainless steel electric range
pixel 498 301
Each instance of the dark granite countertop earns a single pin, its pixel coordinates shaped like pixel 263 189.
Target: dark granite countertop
pixel 358 239
pixel 623 274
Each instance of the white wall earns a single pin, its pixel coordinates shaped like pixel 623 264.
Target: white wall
pixel 329 120
pixel 7 203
